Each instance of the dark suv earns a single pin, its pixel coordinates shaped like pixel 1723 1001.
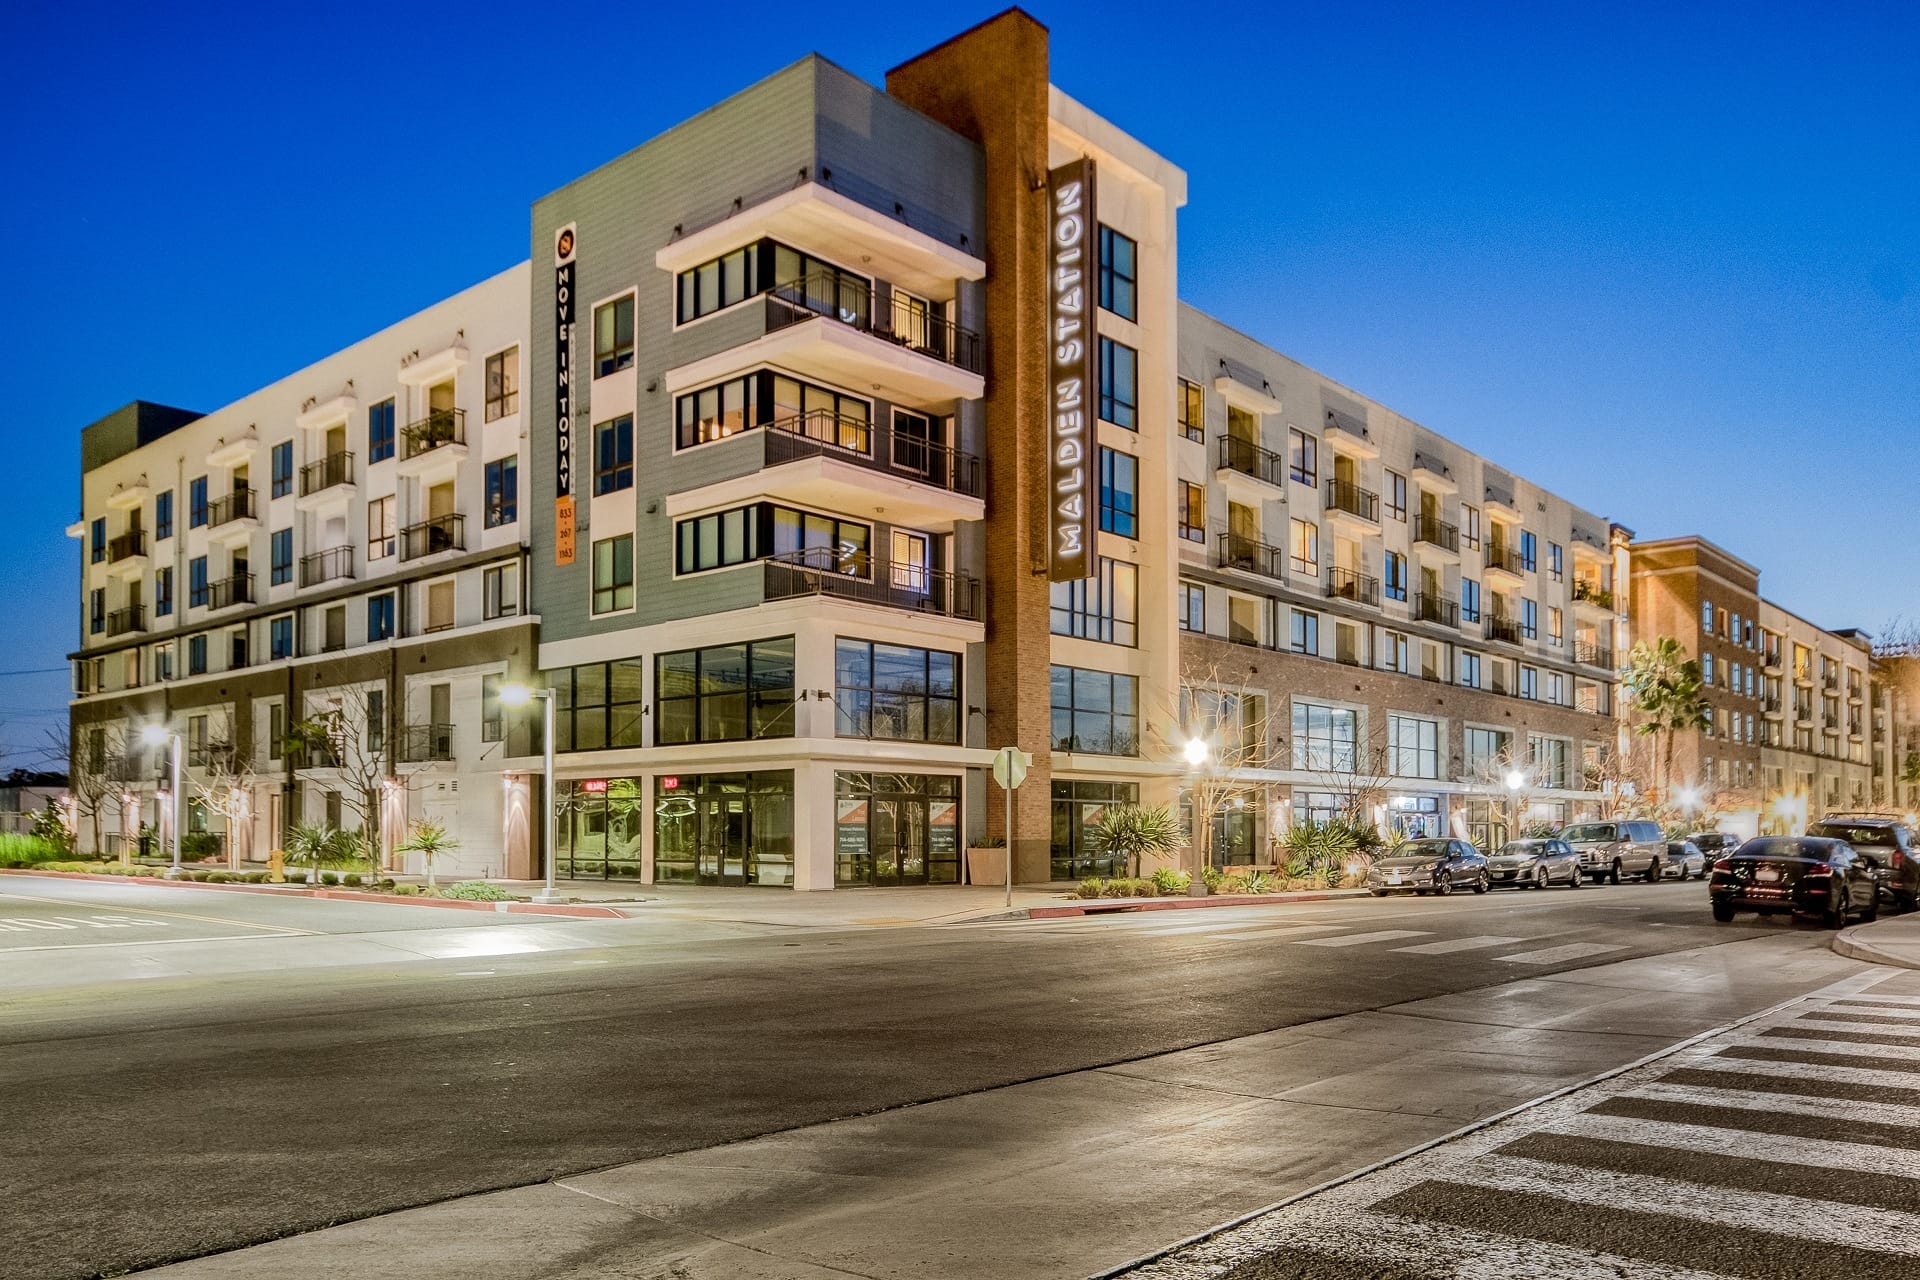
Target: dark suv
pixel 1888 843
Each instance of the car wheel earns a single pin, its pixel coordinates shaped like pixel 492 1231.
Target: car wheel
pixel 1443 884
pixel 1835 916
pixel 1484 883
pixel 1578 879
pixel 1539 880
pixel 1419 893
pixel 1613 876
pixel 1872 910
pixel 1653 870
pixel 1378 893
pixel 1723 912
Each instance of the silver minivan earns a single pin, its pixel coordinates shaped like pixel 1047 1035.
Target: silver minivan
pixel 1610 850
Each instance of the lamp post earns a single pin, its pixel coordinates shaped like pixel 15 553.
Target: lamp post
pixel 518 695
pixel 1515 780
pixel 154 735
pixel 1197 752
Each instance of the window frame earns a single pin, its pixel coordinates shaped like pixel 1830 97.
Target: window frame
pixel 495 405
pixel 1111 275
pixel 1192 410
pixel 612 476
pixel 847 697
pixel 382 431
pixel 1113 512
pixel 1112 407
pixel 1074 709
pixel 621 357
pixel 500 491
pixel 1303 457
pixel 607 599
pixel 756 701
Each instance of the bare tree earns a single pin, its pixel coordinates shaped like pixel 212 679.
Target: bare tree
pixel 342 745
pixel 1240 734
pixel 99 765
pixel 228 792
pixel 1623 777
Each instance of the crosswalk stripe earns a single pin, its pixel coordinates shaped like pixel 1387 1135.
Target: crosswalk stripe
pixel 1883 1229
pixel 1816 1153
pixel 1871 1001
pixel 1770 1038
pixel 1361 939
pixel 1775 1103
pixel 1874 1036
pixel 1812 1056
pixel 1554 955
pixel 1250 927
pixel 1792 1072
pixel 1448 945
pixel 1888 1016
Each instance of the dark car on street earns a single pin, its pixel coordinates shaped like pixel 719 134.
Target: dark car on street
pixel 1685 860
pixel 1429 866
pixel 1535 864
pixel 1806 875
pixel 1715 844
pixel 1885 841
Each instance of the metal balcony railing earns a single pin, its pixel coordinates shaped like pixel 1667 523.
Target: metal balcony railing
pixel 1343 495
pixel 438 429
pixel 1436 532
pixel 125 621
pixel 325 566
pixel 237 589
pixel 238 505
pixel 1436 608
pixel 1505 630
pixel 1592 592
pixel 824 571
pixel 1249 555
pixel 1592 654
pixel 324 473
pixel 1505 559
pixel 824 432
pixel 1346 584
pixel 849 300
pixel 426 743
pixel 128 545
pixel 1250 459
pixel 430 537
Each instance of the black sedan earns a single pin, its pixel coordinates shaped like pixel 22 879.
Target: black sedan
pixel 1806 875
pixel 1429 866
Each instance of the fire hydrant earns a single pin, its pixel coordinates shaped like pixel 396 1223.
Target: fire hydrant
pixel 276 867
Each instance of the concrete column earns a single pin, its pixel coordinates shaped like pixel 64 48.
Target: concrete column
pixel 814 809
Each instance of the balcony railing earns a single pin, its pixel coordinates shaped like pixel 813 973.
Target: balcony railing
pixel 815 571
pixel 1770 660
pixel 1436 608
pixel 1344 495
pixel 1592 654
pixel 1345 584
pixel 227 592
pixel 1436 532
pixel 824 432
pixel 325 473
pixel 426 743
pixel 1505 559
pixel 128 545
pixel 1592 592
pixel 437 430
pixel 1250 459
pixel 1249 555
pixel 849 300
pixel 1505 630
pixel 430 537
pixel 325 566
pixel 238 505
pixel 125 621
pixel 1770 705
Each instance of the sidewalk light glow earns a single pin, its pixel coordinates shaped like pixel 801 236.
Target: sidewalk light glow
pixel 155 735
pixel 1689 797
pixel 1516 779
pixel 515 695
pixel 1196 752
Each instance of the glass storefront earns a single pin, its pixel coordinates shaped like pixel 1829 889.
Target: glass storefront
pixel 724 828
pixel 1416 817
pixel 1077 806
pixel 597 828
pixel 896 828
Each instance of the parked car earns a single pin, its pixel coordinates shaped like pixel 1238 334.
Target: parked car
pixel 1610 850
pixel 1715 844
pixel 1535 864
pixel 1685 860
pixel 1429 866
pixel 1888 842
pixel 1807 875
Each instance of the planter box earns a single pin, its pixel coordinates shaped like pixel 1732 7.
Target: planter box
pixel 986 866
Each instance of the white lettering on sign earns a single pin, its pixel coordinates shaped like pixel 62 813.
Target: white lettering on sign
pixel 1072 374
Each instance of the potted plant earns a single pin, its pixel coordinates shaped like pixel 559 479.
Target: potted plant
pixel 987 860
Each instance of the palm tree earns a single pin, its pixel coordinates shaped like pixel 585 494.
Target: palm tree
pixel 314 844
pixel 1665 686
pixel 1132 830
pixel 427 838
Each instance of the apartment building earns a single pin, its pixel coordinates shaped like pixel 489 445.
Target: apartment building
pixel 1817 757
pixel 343 545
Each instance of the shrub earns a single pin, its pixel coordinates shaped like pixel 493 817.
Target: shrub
pixel 1169 881
pixel 1145 889
pixel 219 877
pixel 407 890
pixel 1089 888
pixel 26 851
pixel 256 877
pixel 1116 888
pixel 199 844
pixel 1257 882
pixel 1214 879
pixel 296 877
pixel 477 891
pixel 351 879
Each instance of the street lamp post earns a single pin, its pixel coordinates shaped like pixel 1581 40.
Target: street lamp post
pixel 153 735
pixel 1197 752
pixel 1515 780
pixel 518 695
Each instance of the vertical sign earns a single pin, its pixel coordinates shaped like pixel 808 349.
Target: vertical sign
pixel 1073 385
pixel 563 245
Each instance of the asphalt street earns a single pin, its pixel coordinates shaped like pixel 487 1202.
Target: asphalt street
pixel 167 1119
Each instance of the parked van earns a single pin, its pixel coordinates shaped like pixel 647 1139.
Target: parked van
pixel 1610 850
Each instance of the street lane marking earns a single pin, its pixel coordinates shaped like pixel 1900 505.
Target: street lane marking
pixel 44 903
pixel 1769 1103
pixel 1361 939
pixel 1864 1053
pixel 1815 1153
pixel 1798 1071
pixel 1251 928
pixel 1446 945
pixel 139 942
pixel 1554 955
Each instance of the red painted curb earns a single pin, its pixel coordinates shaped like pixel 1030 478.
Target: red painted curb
pixel 352 895
pixel 1103 906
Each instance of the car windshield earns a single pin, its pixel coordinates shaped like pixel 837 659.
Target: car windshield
pixel 1422 849
pixel 1589 831
pixel 1880 837
pixel 1523 848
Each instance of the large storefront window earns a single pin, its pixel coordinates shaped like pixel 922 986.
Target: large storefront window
pixel 892 691
pixel 896 828
pixel 1095 712
pixel 728 692
pixel 598 827
pixel 597 706
pixel 1416 817
pixel 1077 807
pixel 724 828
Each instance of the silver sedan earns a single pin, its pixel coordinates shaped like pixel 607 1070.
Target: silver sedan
pixel 1684 861
pixel 1535 864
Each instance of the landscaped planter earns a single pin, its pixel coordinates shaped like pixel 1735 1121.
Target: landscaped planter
pixel 986 865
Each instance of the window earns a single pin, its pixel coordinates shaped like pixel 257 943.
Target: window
pixel 1470 673
pixel 196 502
pixel 280 570
pixel 1469 600
pixel 1395 654
pixel 379 618
pixel 1103 607
pixel 1118 273
pixel 598 706
pixel 197 656
pixel 1324 737
pixel 1733 676
pixel 613 336
pixel 1303 545
pixel 1396 495
pixel 1119 476
pixel 1548 756
pixel 333 629
pixel 895 692
pixel 162 592
pixel 237 649
pixel 97 538
pixel 380 431
pixel 1305 636
pixel 1193 512
pixel 281 460
pixel 613 455
pixel 1470 528
pixel 503 491
pixel 1706 616
pixel 1393 575
pixel 380 528
pixel 912 561
pixel 1528 546
pixel 163 515
pixel 1193 411
pixel 1530 618
pixel 1529 682
pixel 503 383
pixel 1095 711
pixel 280 637
pixel 714 413
pixel 1555 565
pixel 1119 384
pixel 197 582
pixel 97 610
pixel 714 285
pixel 500 591
pixel 1486 751
pixel 724 693
pixel 163 662
pixel 1193 608
pixel 1303 454
pixel 1413 747
pixel 613 574
pixel 719 539
pixel 1556 625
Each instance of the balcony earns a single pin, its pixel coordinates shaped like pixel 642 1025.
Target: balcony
pixel 431 537
pixel 1770 662
pixel 227 592
pixel 435 445
pixel 127 621
pixel 820 571
pixel 1346 584
pixel 1503 630
pixel 330 477
pixel 1506 560
pixel 1435 532
pixel 1593 654
pixel 1803 716
pixel 426 743
pixel 902 320
pixel 1436 608
pixel 1248 555
pixel 1348 499
pixel 326 566
pixel 824 459
pixel 1245 458
pixel 127 554
pixel 235 516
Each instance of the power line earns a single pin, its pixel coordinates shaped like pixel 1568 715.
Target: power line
pixel 33 671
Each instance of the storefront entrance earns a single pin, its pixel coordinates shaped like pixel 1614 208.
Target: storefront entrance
pixel 597 826
pixel 895 829
pixel 725 836
pixel 724 828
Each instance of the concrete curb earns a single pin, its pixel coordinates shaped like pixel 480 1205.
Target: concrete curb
pixel 349 895
pixel 1104 906
pixel 1850 943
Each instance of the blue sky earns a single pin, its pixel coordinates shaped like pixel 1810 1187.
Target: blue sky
pixel 1663 259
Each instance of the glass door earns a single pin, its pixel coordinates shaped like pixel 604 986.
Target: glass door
pixel 725 836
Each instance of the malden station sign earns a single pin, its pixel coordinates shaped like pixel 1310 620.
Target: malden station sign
pixel 1073 376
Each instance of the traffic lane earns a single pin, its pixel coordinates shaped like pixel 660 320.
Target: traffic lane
pixel 289 911
pixel 212 1124
pixel 31 923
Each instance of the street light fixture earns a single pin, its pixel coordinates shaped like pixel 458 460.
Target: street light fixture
pixel 1196 753
pixel 155 735
pixel 1515 780
pixel 519 695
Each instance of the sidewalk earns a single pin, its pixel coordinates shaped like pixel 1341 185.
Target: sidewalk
pixel 1894 941
pixel 853 908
